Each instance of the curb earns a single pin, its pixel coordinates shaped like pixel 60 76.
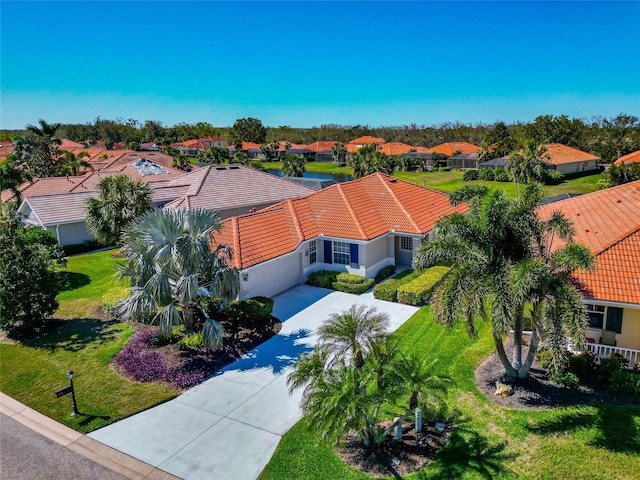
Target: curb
pixel 89 448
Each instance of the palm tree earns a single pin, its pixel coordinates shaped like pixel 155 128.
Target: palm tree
pixel 293 166
pixel 500 260
pixel 339 152
pixel 368 160
pixel 355 369
pixel 181 162
pixel 172 265
pixel 72 162
pixel 13 174
pixel 45 150
pixel 120 201
pixel 527 166
pixel 351 335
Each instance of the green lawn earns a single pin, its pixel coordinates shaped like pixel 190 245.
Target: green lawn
pixel 450 181
pixel 30 372
pixel 584 441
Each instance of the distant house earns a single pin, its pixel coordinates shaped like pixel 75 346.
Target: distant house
pixel 463 160
pixel 366 140
pixel 213 141
pixel 608 222
pixel 357 227
pixel 629 158
pixel 230 190
pixel 448 149
pixel 395 149
pixel 190 148
pixel 323 150
pixel 569 160
pixel 57 203
pixel 150 147
pixel 495 163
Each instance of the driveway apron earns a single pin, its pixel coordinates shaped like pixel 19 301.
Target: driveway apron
pixel 229 426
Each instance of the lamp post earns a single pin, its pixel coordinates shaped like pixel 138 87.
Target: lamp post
pixel 73 394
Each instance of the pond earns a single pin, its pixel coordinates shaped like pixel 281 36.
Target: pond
pixel 337 177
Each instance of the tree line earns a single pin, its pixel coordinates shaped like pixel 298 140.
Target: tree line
pixel 608 138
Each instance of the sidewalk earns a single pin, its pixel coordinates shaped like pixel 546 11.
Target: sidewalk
pixel 73 442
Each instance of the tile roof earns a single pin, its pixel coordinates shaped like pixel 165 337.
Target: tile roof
pixel 359 210
pixel 395 148
pixel 211 139
pixel 608 222
pixel 448 148
pixel 367 139
pixel 320 146
pixel 559 154
pixel 58 209
pixel 617 278
pixel 5 149
pixel 220 187
pixel 248 145
pixel 629 158
pixel 66 144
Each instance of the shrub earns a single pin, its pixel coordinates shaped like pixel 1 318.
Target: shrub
pixel 84 247
pixel 568 379
pixel 385 273
pixel 578 365
pixel 193 341
pixel 389 290
pixel 486 174
pixel 249 313
pixel 500 175
pixel 212 307
pixel 418 291
pixel 625 382
pixel 624 363
pixel 554 177
pixel 470 175
pixel 267 307
pixel 609 365
pixel 175 334
pixel 544 357
pixel 323 278
pixel 111 297
pixel 591 359
pixel 356 288
pixel 351 278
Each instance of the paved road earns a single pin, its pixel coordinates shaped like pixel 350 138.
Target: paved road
pixel 27 455
pixel 229 426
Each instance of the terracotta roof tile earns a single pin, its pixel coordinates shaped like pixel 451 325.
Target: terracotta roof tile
pixel 360 210
pixel 395 148
pixel 320 146
pixel 629 158
pixel 559 154
pixel 367 139
pixel 449 148
pixel 608 222
pixel 66 144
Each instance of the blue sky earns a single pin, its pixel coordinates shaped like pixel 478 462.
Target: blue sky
pixel 308 63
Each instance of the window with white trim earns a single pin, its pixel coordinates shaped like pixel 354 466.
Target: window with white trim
pixel 313 251
pixel 341 253
pixel 595 314
pixel 406 244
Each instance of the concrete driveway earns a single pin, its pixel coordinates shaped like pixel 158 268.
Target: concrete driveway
pixel 229 426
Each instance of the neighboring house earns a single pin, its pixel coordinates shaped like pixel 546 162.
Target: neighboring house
pixel 395 149
pixel 66 144
pixel 190 148
pixel 357 227
pixel 366 140
pixel 57 203
pixel 608 222
pixel 629 158
pixel 213 142
pixel 150 147
pixel 569 160
pixel 448 149
pixel 495 163
pixel 323 150
pixel 230 190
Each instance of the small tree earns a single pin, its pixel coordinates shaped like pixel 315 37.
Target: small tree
pixel 293 166
pixel 368 160
pixel 30 259
pixel 181 162
pixel 172 265
pixel 71 163
pixel 248 130
pixel 355 369
pixel 120 201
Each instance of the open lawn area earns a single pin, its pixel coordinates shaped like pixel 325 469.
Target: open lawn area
pixel 31 371
pixel 450 181
pixel 488 441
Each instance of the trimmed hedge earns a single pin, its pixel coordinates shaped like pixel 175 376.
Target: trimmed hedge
pixel 249 313
pixel 389 290
pixel 323 278
pixel 385 273
pixel 418 291
pixel 350 278
pixel 356 288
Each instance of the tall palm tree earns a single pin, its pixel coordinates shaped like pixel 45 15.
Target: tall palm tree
pixel 45 151
pixel 339 152
pixel 172 265
pixel 500 261
pixel 368 160
pixel 120 201
pixel 71 163
pixel 527 166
